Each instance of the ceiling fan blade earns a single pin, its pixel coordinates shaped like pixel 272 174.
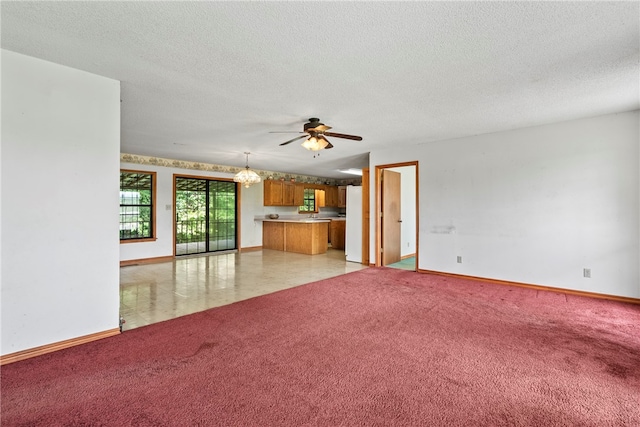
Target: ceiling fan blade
pixel 285 131
pixel 342 135
pixel 322 138
pixel 295 139
pixel 319 128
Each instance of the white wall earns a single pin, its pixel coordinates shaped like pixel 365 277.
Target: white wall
pixel 534 205
pixel 60 162
pixel 407 209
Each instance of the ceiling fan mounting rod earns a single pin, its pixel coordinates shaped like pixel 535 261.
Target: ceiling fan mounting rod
pixel 313 123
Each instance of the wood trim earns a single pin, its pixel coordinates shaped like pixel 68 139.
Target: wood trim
pixel 397 165
pixel 378 202
pixel 146 239
pixel 174 228
pixel 376 213
pixel 238 216
pixel 366 215
pixel 537 287
pixel 147 260
pixel 154 215
pixel 417 213
pixel 50 348
pixel 250 249
pixel 408 256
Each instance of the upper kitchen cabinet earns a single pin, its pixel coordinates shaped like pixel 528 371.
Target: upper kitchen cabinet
pixel 320 199
pixel 294 193
pixel 283 193
pixel 331 196
pixel 273 193
pixel 342 196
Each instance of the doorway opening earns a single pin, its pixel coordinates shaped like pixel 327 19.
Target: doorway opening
pixel 205 215
pixel 396 191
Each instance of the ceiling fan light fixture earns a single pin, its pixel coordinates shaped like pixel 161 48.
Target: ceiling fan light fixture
pixel 315 144
pixel 247 177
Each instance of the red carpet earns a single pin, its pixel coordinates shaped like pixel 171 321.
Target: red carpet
pixel 375 347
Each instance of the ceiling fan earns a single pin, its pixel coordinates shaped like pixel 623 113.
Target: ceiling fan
pixel 315 132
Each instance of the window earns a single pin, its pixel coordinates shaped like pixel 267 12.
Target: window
pixel 309 204
pixel 137 205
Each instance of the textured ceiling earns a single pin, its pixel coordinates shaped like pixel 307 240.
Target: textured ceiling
pixel 207 81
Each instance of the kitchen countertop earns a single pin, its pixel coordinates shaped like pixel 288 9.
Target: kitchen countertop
pixel 301 220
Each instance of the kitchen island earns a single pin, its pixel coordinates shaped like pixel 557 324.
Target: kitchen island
pixel 304 236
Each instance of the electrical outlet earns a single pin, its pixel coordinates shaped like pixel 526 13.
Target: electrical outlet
pixel 586 272
pixel 459 259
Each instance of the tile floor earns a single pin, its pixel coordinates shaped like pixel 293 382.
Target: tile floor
pixel 152 293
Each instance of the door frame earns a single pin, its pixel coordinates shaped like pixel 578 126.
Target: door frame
pixel 378 207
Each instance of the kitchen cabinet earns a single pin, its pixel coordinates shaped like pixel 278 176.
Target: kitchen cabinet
pixel 273 193
pixel 283 193
pixel 286 193
pixel 298 195
pixel 296 236
pixel 331 196
pixel 273 235
pixel 337 232
pixel 292 194
pixel 320 198
pixel 342 196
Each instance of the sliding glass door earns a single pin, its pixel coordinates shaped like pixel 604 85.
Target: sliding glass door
pixel 206 215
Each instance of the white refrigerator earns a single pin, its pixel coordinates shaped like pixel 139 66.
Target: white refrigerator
pixel 353 226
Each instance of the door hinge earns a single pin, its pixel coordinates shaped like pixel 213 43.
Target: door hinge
pixel 381 250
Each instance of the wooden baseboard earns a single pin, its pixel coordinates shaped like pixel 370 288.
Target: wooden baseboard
pixel 146 260
pixel 49 348
pixel 251 249
pixel 537 287
pixel 408 256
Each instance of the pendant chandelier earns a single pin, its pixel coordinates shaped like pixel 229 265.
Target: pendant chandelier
pixel 247 177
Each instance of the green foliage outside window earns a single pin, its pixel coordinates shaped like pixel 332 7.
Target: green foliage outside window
pixel 309 201
pixel 194 215
pixel 136 205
